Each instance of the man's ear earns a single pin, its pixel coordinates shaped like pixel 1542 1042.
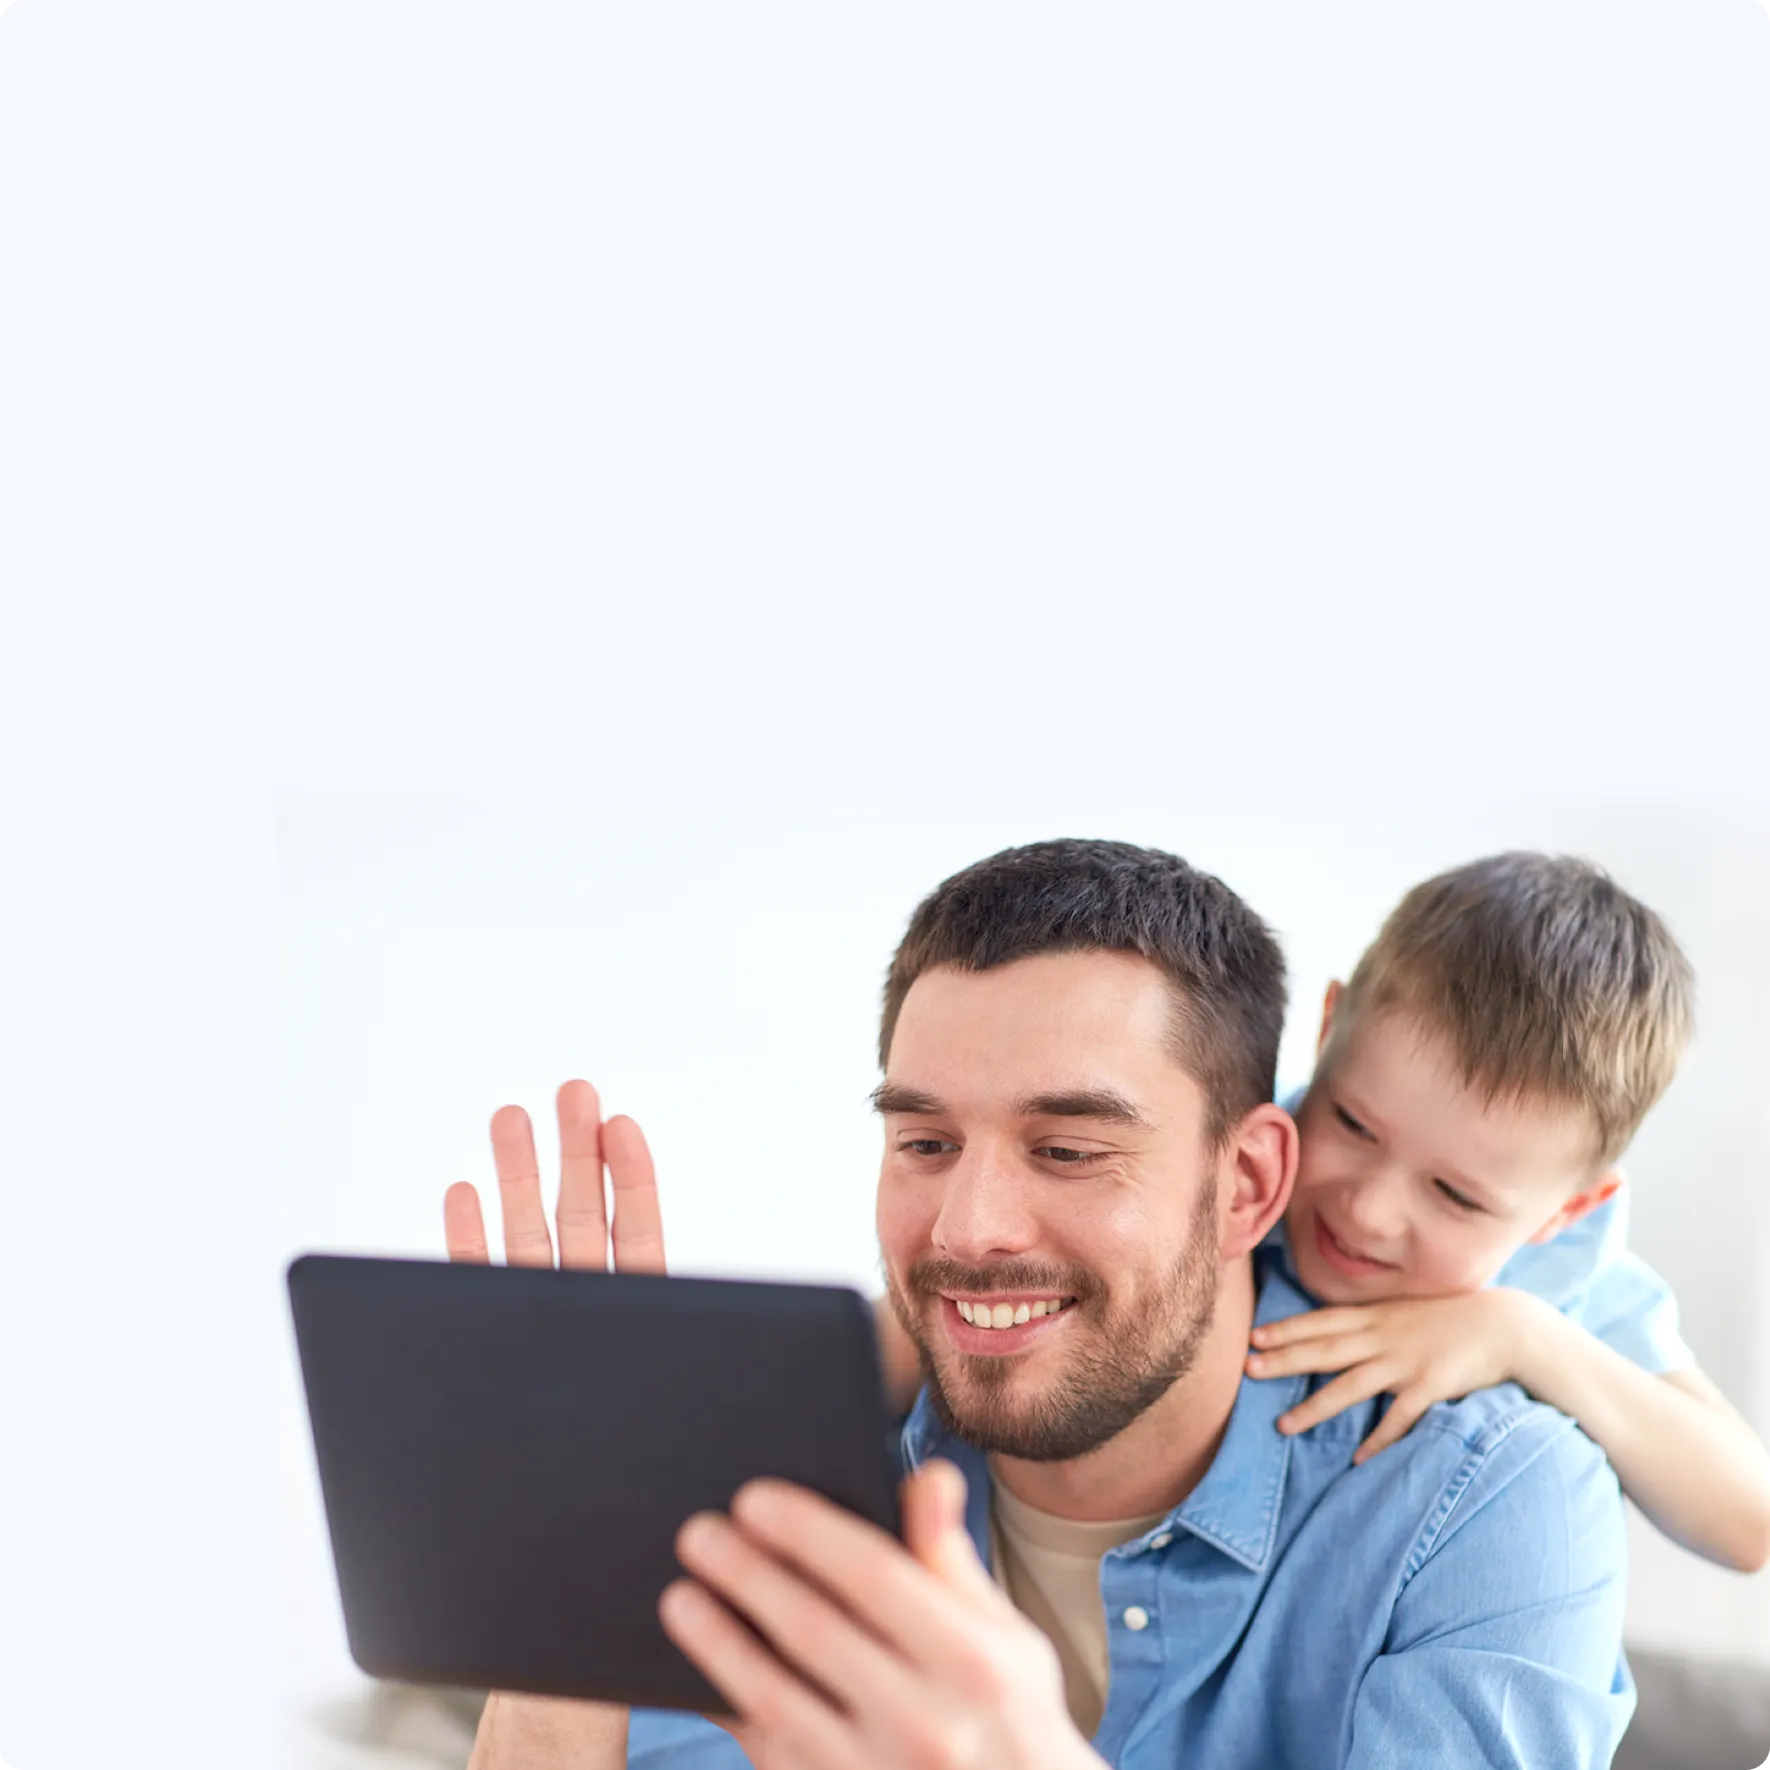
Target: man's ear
pixel 1262 1165
pixel 1600 1192
pixel 1329 1002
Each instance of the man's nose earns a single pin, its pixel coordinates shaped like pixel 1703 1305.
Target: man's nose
pixel 984 1210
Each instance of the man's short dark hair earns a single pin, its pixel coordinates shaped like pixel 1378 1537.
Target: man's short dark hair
pixel 1080 896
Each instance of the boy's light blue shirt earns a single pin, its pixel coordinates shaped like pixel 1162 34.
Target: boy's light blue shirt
pixel 1457 1600
pixel 1588 1273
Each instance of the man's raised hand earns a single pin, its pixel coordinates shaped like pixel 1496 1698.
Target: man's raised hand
pixel 539 1732
pixel 586 1227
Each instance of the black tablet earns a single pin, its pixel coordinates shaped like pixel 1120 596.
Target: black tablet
pixel 506 1454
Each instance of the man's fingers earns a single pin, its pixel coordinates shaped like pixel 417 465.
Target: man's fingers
pixel 1403 1415
pixel 464 1229
pixel 582 1214
pixel 1335 1352
pixel 526 1238
pixel 812 1631
pixel 639 1224
pixel 889 1590
pixel 765 1694
pixel 1343 1392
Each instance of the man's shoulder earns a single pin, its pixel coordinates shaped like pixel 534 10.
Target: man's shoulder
pixel 1500 1448
pixel 1506 1429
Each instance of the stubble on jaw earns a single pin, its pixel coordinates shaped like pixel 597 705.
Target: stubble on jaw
pixel 1124 1363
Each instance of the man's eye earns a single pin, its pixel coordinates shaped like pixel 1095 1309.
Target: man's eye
pixel 1460 1200
pixel 1350 1122
pixel 926 1146
pixel 1070 1158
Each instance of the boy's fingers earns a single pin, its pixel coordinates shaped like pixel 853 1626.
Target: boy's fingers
pixel 1312 1324
pixel 1336 1353
pixel 464 1229
pixel 1343 1392
pixel 1403 1415
pixel 527 1239
pixel 582 1213
pixel 638 1223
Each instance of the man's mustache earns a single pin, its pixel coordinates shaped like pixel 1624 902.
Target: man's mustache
pixel 937 1277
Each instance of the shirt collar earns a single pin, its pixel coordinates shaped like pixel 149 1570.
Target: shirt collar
pixel 1236 1506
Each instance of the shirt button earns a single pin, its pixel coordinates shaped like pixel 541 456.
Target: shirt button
pixel 1160 1542
pixel 1136 1617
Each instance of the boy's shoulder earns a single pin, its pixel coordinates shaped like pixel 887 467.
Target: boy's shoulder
pixel 1589 1273
pixel 1564 1269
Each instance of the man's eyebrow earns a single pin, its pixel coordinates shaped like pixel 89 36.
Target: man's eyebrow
pixel 1083 1103
pixel 888 1097
pixel 1105 1104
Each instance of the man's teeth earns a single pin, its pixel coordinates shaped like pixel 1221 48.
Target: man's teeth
pixel 1001 1315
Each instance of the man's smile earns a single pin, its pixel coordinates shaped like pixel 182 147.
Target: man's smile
pixel 997 1324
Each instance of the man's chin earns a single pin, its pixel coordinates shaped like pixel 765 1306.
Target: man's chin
pixel 1007 1414
pixel 985 1423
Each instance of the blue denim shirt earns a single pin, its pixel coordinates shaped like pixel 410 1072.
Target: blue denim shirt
pixel 1457 1600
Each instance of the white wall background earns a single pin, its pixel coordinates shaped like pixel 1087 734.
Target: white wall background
pixel 717 976
pixel 696 417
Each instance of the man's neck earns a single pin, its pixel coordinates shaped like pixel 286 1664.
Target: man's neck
pixel 1162 1455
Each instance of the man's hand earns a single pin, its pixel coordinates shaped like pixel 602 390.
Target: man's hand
pixel 544 1732
pixel 840 1649
pixel 1418 1349
pixel 586 1145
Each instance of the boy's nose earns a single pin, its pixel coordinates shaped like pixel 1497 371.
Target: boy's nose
pixel 1374 1208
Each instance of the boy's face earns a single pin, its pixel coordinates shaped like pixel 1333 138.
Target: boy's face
pixel 1411 1183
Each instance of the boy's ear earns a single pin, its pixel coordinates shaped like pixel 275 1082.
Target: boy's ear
pixel 1582 1204
pixel 1327 1015
pixel 1261 1164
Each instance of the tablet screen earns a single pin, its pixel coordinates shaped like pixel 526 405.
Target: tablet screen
pixel 506 1454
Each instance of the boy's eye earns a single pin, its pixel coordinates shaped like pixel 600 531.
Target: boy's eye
pixel 1461 1200
pixel 1349 1121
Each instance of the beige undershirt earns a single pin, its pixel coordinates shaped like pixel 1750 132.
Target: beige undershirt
pixel 1050 1567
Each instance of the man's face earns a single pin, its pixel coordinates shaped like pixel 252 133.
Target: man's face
pixel 1046 1168
pixel 1412 1183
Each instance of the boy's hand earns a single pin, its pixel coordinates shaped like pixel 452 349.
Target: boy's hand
pixel 1420 1350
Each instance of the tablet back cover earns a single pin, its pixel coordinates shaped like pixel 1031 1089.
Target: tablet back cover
pixel 506 1454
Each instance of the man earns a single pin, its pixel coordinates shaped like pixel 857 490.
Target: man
pixel 1082 1164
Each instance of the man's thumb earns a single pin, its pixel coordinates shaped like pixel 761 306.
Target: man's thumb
pixel 933 1504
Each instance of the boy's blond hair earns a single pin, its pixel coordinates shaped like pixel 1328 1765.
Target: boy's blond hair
pixel 1549 980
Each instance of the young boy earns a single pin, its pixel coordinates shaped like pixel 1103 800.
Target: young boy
pixel 1457 1211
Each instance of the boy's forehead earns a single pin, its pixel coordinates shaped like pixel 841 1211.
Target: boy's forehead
pixel 1405 1074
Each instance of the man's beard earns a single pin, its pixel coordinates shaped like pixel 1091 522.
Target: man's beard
pixel 1116 1372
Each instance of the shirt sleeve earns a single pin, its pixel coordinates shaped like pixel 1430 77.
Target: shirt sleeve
pixel 1504 1647
pixel 1588 1273
pixel 662 1739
